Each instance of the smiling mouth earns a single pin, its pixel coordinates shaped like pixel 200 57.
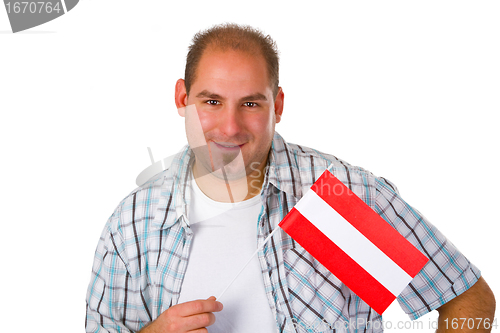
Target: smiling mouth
pixel 227 145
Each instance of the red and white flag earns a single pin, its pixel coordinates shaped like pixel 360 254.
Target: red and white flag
pixel 353 242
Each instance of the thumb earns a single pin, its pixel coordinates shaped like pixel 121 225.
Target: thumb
pixel 219 304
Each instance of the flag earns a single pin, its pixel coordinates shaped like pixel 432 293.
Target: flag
pixel 353 242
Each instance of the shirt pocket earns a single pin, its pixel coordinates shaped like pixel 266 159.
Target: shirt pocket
pixel 316 296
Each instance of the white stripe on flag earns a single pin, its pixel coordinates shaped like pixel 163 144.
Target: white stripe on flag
pixel 352 242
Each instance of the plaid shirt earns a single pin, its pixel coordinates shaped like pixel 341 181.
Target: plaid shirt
pixel 142 254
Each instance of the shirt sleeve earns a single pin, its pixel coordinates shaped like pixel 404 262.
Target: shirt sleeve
pixel 108 288
pixel 448 272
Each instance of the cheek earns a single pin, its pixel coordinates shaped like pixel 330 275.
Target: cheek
pixel 262 124
pixel 207 122
pixel 194 129
pixel 206 119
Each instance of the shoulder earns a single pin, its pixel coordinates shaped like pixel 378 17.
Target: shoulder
pixel 310 163
pixel 135 212
pixel 136 205
pixel 307 156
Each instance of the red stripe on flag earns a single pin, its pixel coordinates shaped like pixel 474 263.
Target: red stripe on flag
pixel 337 261
pixel 369 223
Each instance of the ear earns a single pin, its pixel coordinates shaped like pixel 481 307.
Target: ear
pixel 181 97
pixel 278 104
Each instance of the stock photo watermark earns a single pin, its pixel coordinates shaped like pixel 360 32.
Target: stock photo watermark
pixel 24 15
pixel 319 325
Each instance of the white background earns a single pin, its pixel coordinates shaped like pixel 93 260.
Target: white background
pixel 408 90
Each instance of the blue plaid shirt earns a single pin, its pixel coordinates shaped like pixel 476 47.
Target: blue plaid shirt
pixel 142 254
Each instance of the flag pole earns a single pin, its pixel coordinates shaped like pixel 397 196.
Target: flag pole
pixel 249 260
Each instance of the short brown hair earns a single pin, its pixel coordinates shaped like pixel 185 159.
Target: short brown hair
pixel 235 37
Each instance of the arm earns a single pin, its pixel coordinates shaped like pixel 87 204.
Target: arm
pixel 476 302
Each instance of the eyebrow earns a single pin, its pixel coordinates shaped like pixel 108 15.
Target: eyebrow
pixel 253 97
pixel 208 94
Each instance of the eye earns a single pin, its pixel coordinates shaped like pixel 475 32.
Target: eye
pixel 250 104
pixel 212 102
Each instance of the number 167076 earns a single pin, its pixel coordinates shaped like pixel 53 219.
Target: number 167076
pixel 33 7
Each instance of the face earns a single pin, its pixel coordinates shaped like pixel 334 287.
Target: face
pixel 231 98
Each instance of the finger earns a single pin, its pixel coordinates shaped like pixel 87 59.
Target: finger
pixel 198 321
pixel 196 307
pixel 199 330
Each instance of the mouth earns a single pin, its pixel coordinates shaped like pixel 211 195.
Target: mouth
pixel 227 146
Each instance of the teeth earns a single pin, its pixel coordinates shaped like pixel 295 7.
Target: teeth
pixel 227 146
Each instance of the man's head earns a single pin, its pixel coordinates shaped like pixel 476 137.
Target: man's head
pixel 233 37
pixel 230 106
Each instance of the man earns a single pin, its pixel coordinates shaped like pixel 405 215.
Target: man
pixel 156 268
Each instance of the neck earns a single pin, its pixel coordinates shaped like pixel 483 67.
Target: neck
pixel 223 189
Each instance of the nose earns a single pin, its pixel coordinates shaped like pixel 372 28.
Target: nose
pixel 230 122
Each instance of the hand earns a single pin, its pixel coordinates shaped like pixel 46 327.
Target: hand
pixel 193 316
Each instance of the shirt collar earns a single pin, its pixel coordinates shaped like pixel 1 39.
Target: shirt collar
pixel 174 196
pixel 283 171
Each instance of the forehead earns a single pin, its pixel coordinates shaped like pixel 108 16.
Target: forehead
pixel 231 68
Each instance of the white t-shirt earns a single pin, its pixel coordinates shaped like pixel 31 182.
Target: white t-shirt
pixel 225 237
